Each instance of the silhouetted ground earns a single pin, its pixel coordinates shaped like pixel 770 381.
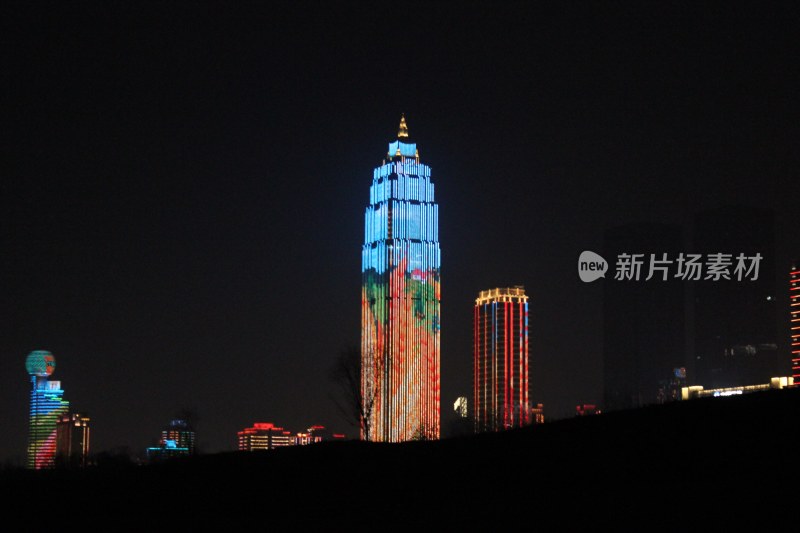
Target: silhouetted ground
pixel 711 463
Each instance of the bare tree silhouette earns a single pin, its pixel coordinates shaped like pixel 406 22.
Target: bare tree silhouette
pixel 354 404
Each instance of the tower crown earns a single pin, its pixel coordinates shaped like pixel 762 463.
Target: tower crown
pixel 401 147
pixel 402 132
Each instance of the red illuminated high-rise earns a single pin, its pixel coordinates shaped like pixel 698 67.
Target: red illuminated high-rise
pixel 500 386
pixel 794 310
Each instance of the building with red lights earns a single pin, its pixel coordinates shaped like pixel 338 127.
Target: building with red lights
pixel 586 409
pixel 268 436
pixel 794 311
pixel 312 435
pixel 264 436
pixel 500 381
pixel 537 414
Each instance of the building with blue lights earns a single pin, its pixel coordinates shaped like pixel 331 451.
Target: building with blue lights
pixel 177 439
pixel 400 300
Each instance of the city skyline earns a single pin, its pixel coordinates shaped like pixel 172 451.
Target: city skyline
pixel 186 188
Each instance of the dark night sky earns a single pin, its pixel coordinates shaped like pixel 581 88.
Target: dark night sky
pixel 183 186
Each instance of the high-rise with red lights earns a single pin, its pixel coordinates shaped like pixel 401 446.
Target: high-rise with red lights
pixel 400 300
pixel 500 381
pixel 794 310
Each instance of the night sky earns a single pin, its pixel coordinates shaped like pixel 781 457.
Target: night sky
pixel 183 186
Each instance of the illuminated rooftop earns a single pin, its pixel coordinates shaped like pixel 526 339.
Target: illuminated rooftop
pixel 505 294
pixel 402 148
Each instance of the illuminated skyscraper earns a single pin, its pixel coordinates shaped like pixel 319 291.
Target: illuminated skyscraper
pixel 47 406
pixel 794 307
pixel 500 393
pixel 400 300
pixel 72 439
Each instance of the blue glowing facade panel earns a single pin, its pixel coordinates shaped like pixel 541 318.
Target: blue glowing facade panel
pixel 401 208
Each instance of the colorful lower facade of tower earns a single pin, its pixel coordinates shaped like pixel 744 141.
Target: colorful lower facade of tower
pixel 47 407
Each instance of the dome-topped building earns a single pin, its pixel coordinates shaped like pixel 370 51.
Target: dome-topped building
pixel 47 406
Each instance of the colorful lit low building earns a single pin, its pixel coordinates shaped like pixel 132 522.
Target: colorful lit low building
pixel 181 432
pixel 697 391
pixel 177 439
pixel 167 450
pixel 72 439
pixel 669 390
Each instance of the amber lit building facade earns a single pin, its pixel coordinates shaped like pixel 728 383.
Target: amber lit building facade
pixel 72 439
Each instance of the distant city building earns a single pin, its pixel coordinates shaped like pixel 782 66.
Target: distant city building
pixel 181 433
pixel 72 439
pixel 400 299
pixel 500 381
pixel 265 436
pixel 460 407
pixel 735 321
pixel 312 435
pixel 177 439
pixel 537 414
pixel 268 436
pixel 644 321
pixel 794 312
pixel 669 389
pixel 47 405
pixel 587 409
pixel 697 391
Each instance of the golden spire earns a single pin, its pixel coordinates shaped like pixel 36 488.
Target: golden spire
pixel 402 133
